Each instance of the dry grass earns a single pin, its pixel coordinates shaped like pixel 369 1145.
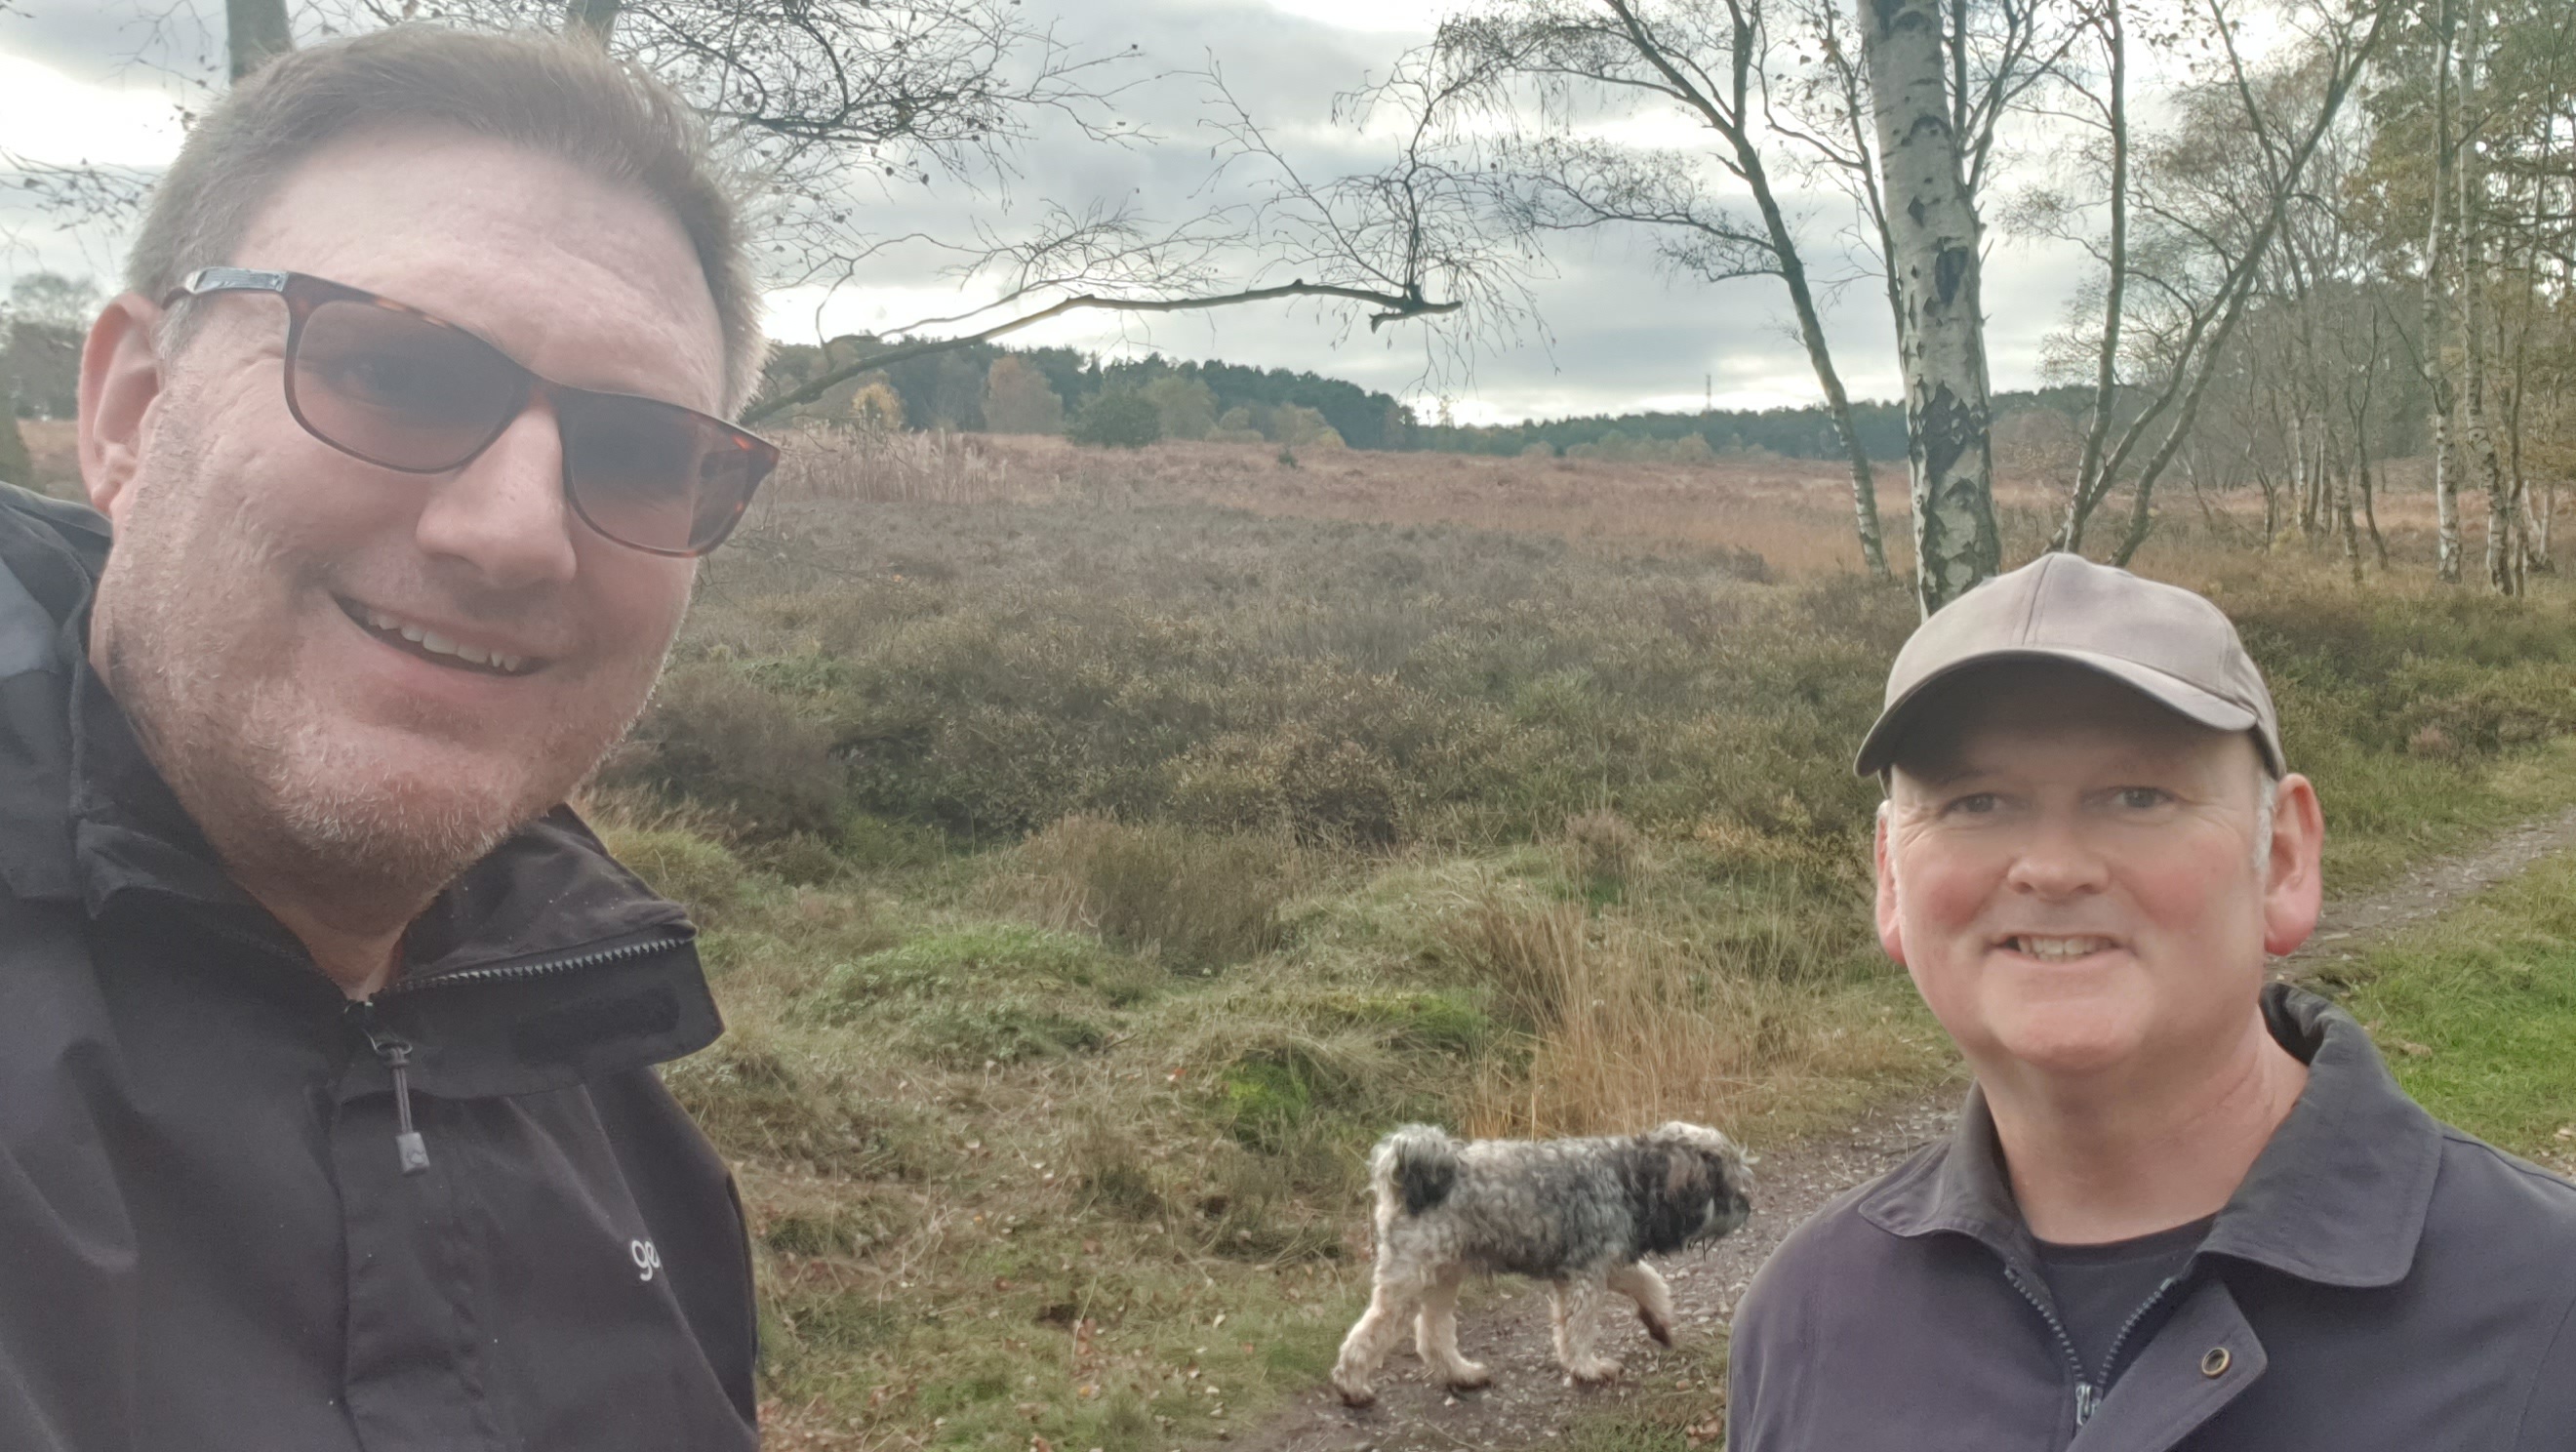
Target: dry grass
pixel 884 466
pixel 1627 1026
pixel 1195 902
pixel 1795 514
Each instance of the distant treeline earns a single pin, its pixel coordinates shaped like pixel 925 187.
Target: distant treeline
pixel 959 390
pixel 950 390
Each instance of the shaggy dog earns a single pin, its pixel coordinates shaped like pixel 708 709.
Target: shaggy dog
pixel 1576 1213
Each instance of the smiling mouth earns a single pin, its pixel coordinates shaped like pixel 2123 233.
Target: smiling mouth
pixel 2058 950
pixel 429 645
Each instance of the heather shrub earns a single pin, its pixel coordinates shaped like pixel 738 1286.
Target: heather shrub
pixel 719 737
pixel 1189 899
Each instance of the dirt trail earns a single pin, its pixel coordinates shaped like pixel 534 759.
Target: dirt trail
pixel 1529 1404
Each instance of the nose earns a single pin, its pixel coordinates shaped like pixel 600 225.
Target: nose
pixel 2056 862
pixel 503 514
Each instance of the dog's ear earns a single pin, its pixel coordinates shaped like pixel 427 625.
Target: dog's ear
pixel 1669 1194
pixel 1687 1181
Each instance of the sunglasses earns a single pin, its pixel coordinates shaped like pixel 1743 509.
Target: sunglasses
pixel 400 389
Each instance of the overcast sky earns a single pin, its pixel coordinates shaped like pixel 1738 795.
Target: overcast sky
pixel 1616 334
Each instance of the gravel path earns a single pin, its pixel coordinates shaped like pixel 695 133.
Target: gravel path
pixel 1529 1403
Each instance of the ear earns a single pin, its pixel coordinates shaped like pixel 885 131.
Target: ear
pixel 120 380
pixel 1686 1177
pixel 2293 879
pixel 1890 936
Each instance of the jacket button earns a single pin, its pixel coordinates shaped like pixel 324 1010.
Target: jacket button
pixel 2215 1362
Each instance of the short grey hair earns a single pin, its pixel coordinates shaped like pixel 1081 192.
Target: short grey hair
pixel 2267 796
pixel 554 96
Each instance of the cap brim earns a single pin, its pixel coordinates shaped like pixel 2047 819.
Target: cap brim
pixel 1878 748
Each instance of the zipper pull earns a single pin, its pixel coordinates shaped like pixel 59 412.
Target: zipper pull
pixel 2087 1397
pixel 396 1054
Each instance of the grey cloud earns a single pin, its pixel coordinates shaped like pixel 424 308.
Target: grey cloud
pixel 1617 331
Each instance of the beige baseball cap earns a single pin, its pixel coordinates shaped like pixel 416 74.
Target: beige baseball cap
pixel 2163 641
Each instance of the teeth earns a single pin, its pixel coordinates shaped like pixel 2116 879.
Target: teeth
pixel 2060 950
pixel 437 644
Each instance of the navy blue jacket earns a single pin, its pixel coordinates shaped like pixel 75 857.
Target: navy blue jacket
pixel 2379 1280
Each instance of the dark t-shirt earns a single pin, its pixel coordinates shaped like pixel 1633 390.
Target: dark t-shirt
pixel 2099 1287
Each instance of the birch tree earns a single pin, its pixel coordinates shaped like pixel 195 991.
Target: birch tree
pixel 255 32
pixel 1936 260
pixel 1532 63
pixel 2192 237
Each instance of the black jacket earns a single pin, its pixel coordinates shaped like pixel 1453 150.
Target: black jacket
pixel 210 1236
pixel 2379 1280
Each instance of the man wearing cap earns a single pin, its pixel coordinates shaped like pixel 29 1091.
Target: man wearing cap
pixel 2182 1208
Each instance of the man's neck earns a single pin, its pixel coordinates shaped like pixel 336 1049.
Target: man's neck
pixel 355 939
pixel 2099 1162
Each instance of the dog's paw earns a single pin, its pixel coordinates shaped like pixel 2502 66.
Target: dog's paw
pixel 1470 1376
pixel 1656 1326
pixel 1593 1371
pixel 1355 1394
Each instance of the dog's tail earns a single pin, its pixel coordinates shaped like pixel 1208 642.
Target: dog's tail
pixel 1414 1167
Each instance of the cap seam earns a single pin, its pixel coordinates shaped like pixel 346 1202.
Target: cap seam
pixel 2038 588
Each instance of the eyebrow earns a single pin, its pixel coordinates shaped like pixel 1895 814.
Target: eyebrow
pixel 1956 769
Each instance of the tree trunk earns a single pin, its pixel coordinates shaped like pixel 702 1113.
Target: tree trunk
pixel 594 20
pixel 2343 518
pixel 1727 117
pixel 2299 472
pixel 1811 331
pixel 255 33
pixel 1932 223
pixel 2535 534
pixel 2477 438
pixel 2090 483
pixel 2437 368
pixel 2370 510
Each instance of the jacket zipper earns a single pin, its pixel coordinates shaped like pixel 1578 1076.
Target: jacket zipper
pixel 409 1147
pixel 514 972
pixel 394 1052
pixel 2088 1395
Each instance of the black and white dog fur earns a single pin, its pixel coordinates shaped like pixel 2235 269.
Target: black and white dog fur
pixel 1576 1213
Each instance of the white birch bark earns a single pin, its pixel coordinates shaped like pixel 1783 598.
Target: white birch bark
pixel 2437 368
pixel 2477 436
pixel 255 31
pixel 1932 226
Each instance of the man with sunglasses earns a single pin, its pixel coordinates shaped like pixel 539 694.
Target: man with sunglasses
pixel 327 1110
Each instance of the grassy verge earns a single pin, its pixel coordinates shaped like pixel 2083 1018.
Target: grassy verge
pixel 2477 1013
pixel 1088 883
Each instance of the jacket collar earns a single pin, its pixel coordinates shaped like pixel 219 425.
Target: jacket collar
pixel 2338 1197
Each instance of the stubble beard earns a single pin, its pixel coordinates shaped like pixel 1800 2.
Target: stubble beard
pixel 293 806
